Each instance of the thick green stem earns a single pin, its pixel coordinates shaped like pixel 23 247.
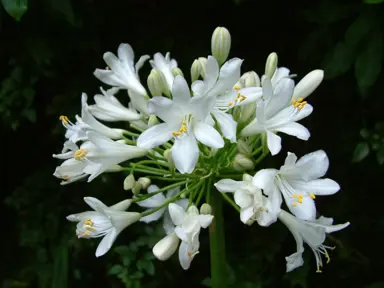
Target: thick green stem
pixel 217 243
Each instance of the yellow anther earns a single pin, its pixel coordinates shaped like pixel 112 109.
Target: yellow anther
pixel 242 98
pixel 107 68
pixel 176 133
pixel 300 100
pixel 300 200
pixel 328 258
pixel 86 232
pixel 236 87
pixel 183 129
pixel 88 222
pixel 294 196
pixel 293 102
pixel 319 271
pixel 66 178
pixel 300 196
pixel 80 154
pixel 64 119
pixel 230 103
pixel 296 105
pixel 312 195
pixel 183 122
pixel 294 204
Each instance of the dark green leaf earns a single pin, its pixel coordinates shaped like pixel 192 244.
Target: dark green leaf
pixel 361 27
pixel 361 151
pixel 15 8
pixel 115 269
pixel 339 60
pixel 380 155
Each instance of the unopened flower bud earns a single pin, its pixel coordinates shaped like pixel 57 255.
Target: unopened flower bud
pixel 166 247
pixel 271 65
pixel 137 188
pixel 247 112
pixel 193 210
pixel 152 121
pixel 144 182
pixel 168 156
pixel 250 79
pixel 308 84
pixel 157 83
pixel 206 209
pixel 176 71
pixel 242 163
pixel 220 44
pixel 203 62
pixel 129 182
pixel 195 70
pixel 247 177
pixel 243 147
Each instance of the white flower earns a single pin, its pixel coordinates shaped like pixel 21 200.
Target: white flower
pixel 77 132
pixel 188 224
pixel 94 157
pixel 275 114
pixel 105 222
pixel 156 201
pixel 253 204
pixel 183 118
pixel 299 182
pixel 166 247
pixel 165 65
pixel 311 232
pixel 108 108
pixel 220 85
pixel 121 72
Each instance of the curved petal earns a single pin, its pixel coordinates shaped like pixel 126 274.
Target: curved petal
pixel 317 187
pixel 246 214
pixel 305 210
pixel 208 135
pixel 252 94
pixel 106 243
pixel 164 108
pixel 152 217
pixel 168 225
pixel 177 213
pixel 267 89
pixel 186 254
pixel 227 125
pixel 152 202
pixel 95 204
pixel 109 77
pixel 228 185
pixel 125 54
pixel 185 153
pixel 243 199
pixel 205 220
pixel 304 112
pixel 155 136
pixel 229 75
pixel 290 159
pixel 180 91
pixel 140 63
pixel 201 106
pixel 281 98
pixel 313 165
pixel 212 72
pixel 279 74
pixel 264 179
pixel 294 129
pixel 273 142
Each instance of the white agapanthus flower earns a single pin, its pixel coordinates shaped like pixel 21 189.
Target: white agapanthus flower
pixel 184 119
pixel 108 108
pixel 77 132
pixel 94 157
pixel 254 206
pixel 299 182
pixel 311 232
pixel 121 71
pixel 278 112
pixel 220 85
pixel 165 66
pixel 106 222
pixel 188 225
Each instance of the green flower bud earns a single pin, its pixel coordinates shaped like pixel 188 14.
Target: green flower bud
pixel 168 156
pixel 152 121
pixel 176 71
pixel 195 70
pixel 157 84
pixel 203 62
pixel 247 112
pixel 247 177
pixel 129 182
pixel 250 79
pixel 271 65
pixel 243 147
pixel 206 209
pixel 221 44
pixel 242 163
pixel 193 210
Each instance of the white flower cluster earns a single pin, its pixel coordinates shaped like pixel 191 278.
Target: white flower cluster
pixel 198 137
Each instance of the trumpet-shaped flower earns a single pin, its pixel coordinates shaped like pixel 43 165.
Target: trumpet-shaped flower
pixel 94 157
pixel 278 112
pixel 254 206
pixel 106 222
pixel 220 85
pixel 165 65
pixel 311 232
pixel 184 119
pixel 108 108
pixel 299 182
pixel 77 132
pixel 121 71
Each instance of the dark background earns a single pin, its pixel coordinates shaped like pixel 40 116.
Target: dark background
pixel 47 59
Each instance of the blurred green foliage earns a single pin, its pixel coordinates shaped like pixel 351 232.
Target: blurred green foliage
pixel 48 51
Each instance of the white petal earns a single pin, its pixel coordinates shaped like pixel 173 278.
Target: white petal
pixel 186 254
pixel 139 101
pixel 281 97
pixel 279 74
pixel 308 84
pixel 334 228
pixel 95 204
pixel 205 220
pixel 212 72
pixel 106 243
pixel 164 108
pixel 122 206
pixel 304 112
pixel 267 89
pixel 168 225
pixel 180 91
pixel 177 213
pixel 201 106
pixel 140 63
pixel 303 211
pixel 252 94
pixel 155 136
pixel 227 125
pixel 152 202
pixel 290 159
pixel 294 260
pixel 313 165
pixel 109 77
pixel 242 198
pixel 253 128
pixel 185 153
pixel 264 179
pixel 246 214
pixel 208 135
pixel 318 187
pixel 273 142
pixel 294 129
pixel 229 75
pixel 125 53
pixel 181 234
pixel 228 185
pixel 166 247
pixel 152 217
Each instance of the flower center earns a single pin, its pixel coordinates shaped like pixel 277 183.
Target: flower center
pixel 319 251
pixel 64 119
pixel 299 103
pixel 87 229
pixel 185 123
pixel 80 154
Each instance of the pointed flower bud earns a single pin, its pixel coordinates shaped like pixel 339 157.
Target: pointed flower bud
pixel 137 188
pixel 243 147
pixel 247 113
pixel 166 247
pixel 144 182
pixel 221 44
pixel 271 65
pixel 176 71
pixel 195 70
pixel 308 84
pixel 157 83
pixel 250 79
pixel 192 210
pixel 168 156
pixel 129 182
pixel 203 62
pixel 152 121
pixel 206 209
pixel 242 163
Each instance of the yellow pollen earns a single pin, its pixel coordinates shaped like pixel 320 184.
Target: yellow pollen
pixel 176 133
pixel 294 204
pixel 64 119
pixel 80 154
pixel 88 222
pixel 312 195
pixel 294 196
pixel 183 129
pixel 183 122
pixel 242 98
pixel 300 196
pixel 66 178
pixel 236 87
pixel 107 68
pixel 300 100
pixel 293 102
pixel 300 200
pixel 230 103
pixel 86 232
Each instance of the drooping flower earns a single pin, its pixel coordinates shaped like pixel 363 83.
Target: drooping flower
pixel 108 108
pixel 220 85
pixel 278 112
pixel 94 157
pixel 165 66
pixel 311 232
pixel 106 222
pixel 184 119
pixel 254 206
pixel 299 182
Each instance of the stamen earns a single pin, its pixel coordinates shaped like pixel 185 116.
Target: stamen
pixel 294 204
pixel 319 271
pixel 80 154
pixel 236 87
pixel 64 119
pixel 299 103
pixel 242 98
pixel 107 68
pixel 230 103
pixel 176 133
pixel 312 195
